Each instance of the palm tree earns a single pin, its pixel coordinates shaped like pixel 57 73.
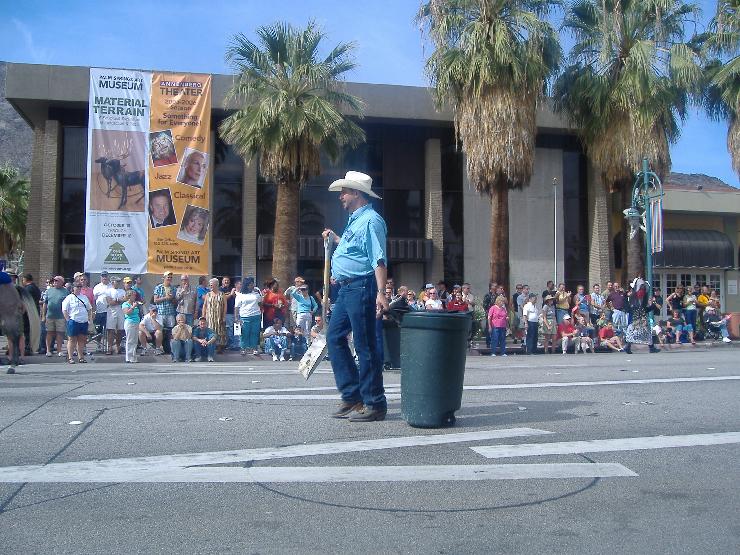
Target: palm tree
pixel 490 63
pixel 722 94
pixel 630 77
pixel 14 194
pixel 292 104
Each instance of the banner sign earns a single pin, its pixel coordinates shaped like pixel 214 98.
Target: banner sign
pixel 656 225
pixel 179 188
pixel 147 172
pixel 116 218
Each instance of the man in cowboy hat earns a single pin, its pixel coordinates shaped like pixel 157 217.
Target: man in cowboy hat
pixel 359 266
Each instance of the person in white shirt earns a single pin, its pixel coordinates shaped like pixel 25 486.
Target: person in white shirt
pixel 150 330
pixel 114 319
pixel 276 340
pixel 433 303
pixel 247 308
pixel 77 311
pixel 531 314
pixel 100 294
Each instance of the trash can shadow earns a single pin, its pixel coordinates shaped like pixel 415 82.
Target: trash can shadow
pixel 433 350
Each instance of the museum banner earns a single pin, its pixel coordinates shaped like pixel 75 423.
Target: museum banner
pixel 116 215
pixel 179 218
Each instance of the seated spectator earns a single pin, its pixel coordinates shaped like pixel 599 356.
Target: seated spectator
pixel 150 331
pixel 204 341
pixel 182 339
pixel 678 324
pixel 276 340
pixel 609 338
pixel 457 304
pixel 299 345
pixel 584 333
pixel 433 303
pixel 567 332
pixel 317 328
pixel 716 322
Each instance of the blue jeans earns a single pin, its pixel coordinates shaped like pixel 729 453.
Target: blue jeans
pixel 690 319
pixel 498 340
pixel 250 338
pixel 298 348
pixel 231 341
pixel 355 312
pixel 559 313
pixel 199 351
pixel 276 344
pixel 179 347
pixel 532 330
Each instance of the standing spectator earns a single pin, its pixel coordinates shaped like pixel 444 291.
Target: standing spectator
pixel 297 282
pixel 531 314
pixel 164 298
pixel 488 299
pixel 139 288
pixel 675 299
pixel 562 302
pixel 689 311
pixel 151 331
pixel 229 290
pixel 498 317
pixel 204 338
pixel 549 290
pixel 85 288
pixel 597 303
pixel 515 295
pixel 35 292
pixel 457 304
pixel 306 308
pixel 274 303
pixel 581 301
pixel 567 332
pixel 128 285
pixel 182 340
pixel 100 293
pixel 186 297
pixel 521 327
pixel 276 340
pixel 442 293
pixel 202 291
pixel 549 323
pixel 114 318
pixel 247 307
pixel 412 302
pixel 51 313
pixel 214 310
pixel 131 308
pixel 77 311
pixel 433 303
pixel 617 301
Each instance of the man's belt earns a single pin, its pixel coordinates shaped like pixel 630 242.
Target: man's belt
pixel 346 281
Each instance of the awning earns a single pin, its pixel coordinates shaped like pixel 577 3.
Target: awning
pixel 692 248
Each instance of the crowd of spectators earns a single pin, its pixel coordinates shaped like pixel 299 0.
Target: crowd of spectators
pixel 195 323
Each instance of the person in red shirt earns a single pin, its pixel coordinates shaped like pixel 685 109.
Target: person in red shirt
pixel 567 332
pixel 457 304
pixel 274 304
pixel 606 334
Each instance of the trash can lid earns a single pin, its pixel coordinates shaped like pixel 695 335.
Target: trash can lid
pixel 437 320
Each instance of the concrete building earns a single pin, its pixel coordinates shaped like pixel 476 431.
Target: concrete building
pixel 439 227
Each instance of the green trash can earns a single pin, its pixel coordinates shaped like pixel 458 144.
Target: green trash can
pixel 433 350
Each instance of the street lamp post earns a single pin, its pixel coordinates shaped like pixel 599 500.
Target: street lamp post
pixel 647 187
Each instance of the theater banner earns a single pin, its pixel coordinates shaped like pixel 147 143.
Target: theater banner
pixel 179 218
pixel 117 168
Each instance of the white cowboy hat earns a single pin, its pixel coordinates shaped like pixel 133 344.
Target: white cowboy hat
pixel 357 181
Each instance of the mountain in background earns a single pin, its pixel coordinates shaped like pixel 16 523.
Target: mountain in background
pixel 16 136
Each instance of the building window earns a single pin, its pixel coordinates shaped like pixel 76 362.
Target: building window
pixel 715 282
pixel 452 215
pixel 575 218
pixel 72 211
pixel 671 282
pixel 228 174
pixel 686 280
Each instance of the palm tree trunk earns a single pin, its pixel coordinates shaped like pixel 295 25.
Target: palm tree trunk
pixel 500 234
pixel 285 247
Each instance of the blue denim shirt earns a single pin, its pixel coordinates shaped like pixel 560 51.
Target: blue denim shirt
pixel 362 245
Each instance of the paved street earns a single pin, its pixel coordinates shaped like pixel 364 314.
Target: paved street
pixel 549 454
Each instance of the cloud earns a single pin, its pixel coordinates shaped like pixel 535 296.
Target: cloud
pixel 39 55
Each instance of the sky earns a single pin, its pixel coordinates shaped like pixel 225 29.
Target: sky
pixel 193 35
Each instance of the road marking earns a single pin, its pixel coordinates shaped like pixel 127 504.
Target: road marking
pixel 338 474
pixel 254 394
pixel 606 445
pixel 126 469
